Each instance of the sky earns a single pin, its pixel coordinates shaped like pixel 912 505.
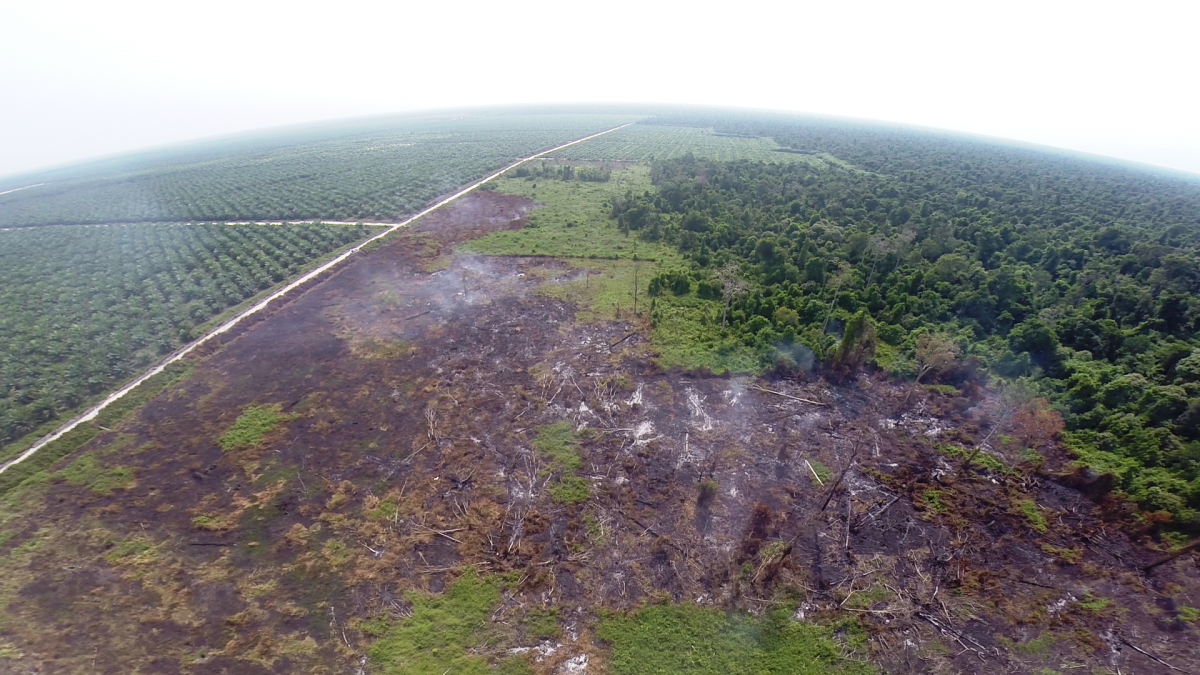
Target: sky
pixel 85 79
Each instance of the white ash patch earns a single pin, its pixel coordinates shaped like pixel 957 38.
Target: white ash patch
pixel 643 433
pixel 802 611
pixel 732 396
pixel 887 424
pixel 696 406
pixel 543 650
pixel 1059 605
pixel 636 399
pixel 576 665
pixel 942 469
pixel 691 454
pixel 808 420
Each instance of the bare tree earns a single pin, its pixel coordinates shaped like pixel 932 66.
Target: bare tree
pixel 839 277
pixel 935 351
pixel 732 287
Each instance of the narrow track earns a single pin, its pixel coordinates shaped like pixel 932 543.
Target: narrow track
pixel 262 304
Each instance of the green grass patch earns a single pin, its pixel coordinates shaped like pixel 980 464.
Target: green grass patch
pixel 932 501
pixel 573 220
pixel 605 267
pixel 688 640
pixel 252 426
pixel 72 441
pixel 1033 515
pixel 1093 603
pixel 135 551
pixel 868 598
pixel 1039 646
pixel 821 471
pixel 210 523
pixel 558 445
pixel 943 389
pixel 439 636
pixel 1189 614
pixel 570 490
pixel 385 510
pixel 541 624
pixel 980 460
pixel 687 334
pixel 87 472
pixel 379 349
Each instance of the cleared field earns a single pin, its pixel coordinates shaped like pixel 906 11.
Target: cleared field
pixel 377 172
pixel 644 142
pixel 83 307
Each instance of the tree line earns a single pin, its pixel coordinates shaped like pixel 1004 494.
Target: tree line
pixel 1079 278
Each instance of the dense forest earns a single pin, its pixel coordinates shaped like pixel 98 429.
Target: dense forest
pixel 1073 278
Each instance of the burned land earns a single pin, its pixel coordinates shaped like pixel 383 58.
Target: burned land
pixel 430 426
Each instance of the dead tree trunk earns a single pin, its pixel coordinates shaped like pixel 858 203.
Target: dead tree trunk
pixel 1188 548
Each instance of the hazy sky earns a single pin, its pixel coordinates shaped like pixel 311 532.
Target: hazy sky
pixel 87 78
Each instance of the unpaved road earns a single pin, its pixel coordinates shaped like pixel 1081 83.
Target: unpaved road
pixel 391 227
pixel 21 188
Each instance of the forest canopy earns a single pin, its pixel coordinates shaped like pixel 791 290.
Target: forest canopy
pixel 1076 276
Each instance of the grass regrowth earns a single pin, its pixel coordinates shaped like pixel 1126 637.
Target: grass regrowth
pixel 1030 510
pixel 252 426
pixel 558 446
pixel 574 224
pixel 86 471
pixel 439 635
pixel 687 640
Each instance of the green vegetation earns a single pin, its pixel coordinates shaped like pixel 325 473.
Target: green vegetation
pixel 979 458
pixel 83 308
pixel 614 273
pixel 439 635
pixel 1189 614
pixel 932 501
pixel 541 624
pixel 570 490
pixel 558 446
pixel 687 640
pixel 1085 284
pixel 136 550
pixel 252 426
pixel 33 471
pixel 86 471
pixel 573 221
pixel 1093 603
pixel 822 472
pixel 1039 646
pixel 644 143
pixel 373 170
pixel 1033 514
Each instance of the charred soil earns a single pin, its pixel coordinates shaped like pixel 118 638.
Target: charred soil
pixel 439 412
